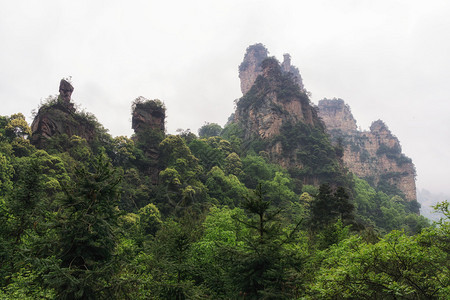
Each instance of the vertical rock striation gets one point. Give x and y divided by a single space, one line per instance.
374 155
337 116
274 99
276 116
250 68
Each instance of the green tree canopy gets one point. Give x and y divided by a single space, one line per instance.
209 130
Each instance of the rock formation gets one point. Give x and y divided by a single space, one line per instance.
65 91
374 155
250 68
288 68
59 117
148 123
148 115
274 98
337 116
276 115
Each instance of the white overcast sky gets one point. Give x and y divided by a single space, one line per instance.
387 59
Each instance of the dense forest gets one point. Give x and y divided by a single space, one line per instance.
207 216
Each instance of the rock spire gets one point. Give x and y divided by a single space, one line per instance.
250 68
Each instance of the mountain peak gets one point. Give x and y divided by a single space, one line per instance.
252 66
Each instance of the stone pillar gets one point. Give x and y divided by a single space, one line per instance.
65 91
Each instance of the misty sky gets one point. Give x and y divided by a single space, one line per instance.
387 59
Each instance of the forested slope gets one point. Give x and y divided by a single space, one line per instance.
221 215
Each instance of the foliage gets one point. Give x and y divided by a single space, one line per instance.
313 150
149 219
397 267
209 130
17 126
390 152
233 164
142 102
85 228
224 189
222 231
211 151
255 169
386 212
173 269
264 267
46 103
6 174
181 185
88 220
393 153
329 206
234 134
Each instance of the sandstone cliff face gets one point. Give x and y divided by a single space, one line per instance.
250 68
148 115
59 117
274 99
276 112
374 155
337 116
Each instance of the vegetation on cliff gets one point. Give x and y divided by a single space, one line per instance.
86 220
56 122
374 155
293 135
261 209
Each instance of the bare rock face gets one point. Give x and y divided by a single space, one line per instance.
374 155
337 116
65 91
148 115
59 117
250 68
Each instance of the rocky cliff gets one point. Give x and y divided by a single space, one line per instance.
287 68
276 116
374 155
250 68
337 116
59 117
273 99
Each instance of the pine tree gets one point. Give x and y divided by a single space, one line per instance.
264 270
327 207
85 230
